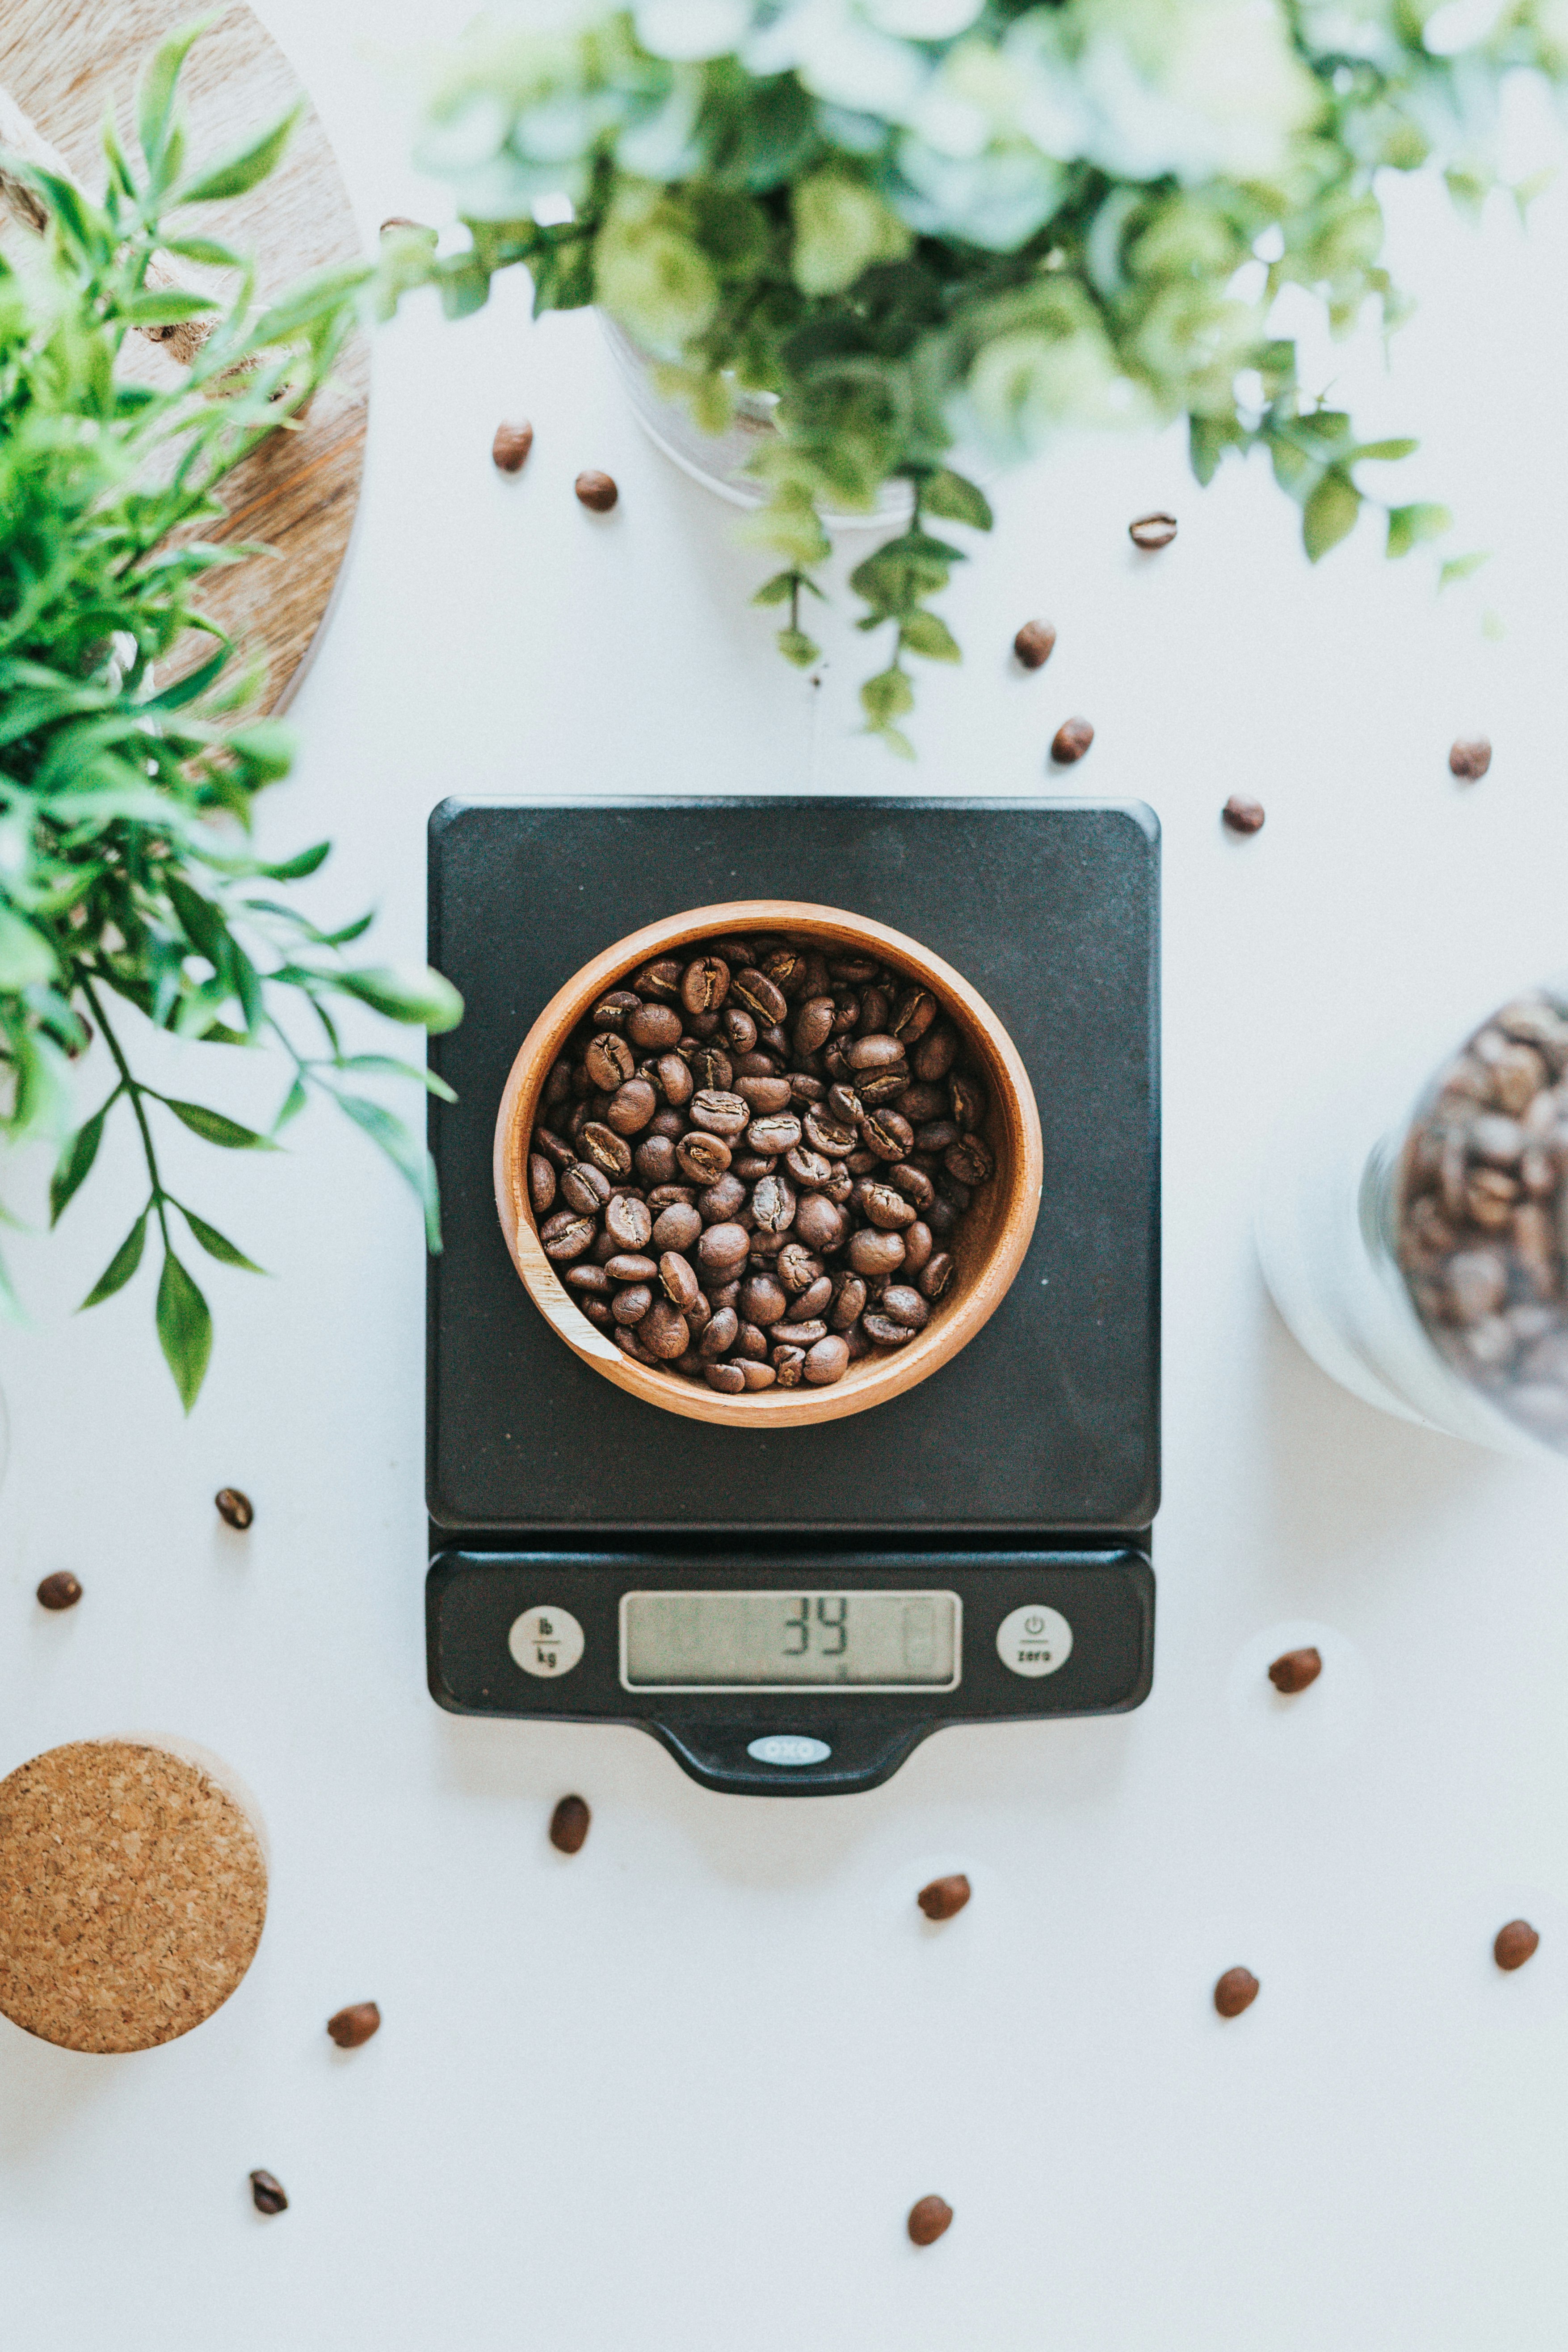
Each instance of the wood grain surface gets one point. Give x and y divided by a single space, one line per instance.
65 61
988 1244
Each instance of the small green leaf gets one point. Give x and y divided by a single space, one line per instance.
76 1160
798 648
185 689
1409 526
295 869
1460 567
384 1066
155 93
164 309
293 1104
406 1154
26 958
778 590
1390 450
924 635
955 499
1329 515
215 1243
887 696
897 741
244 169
214 1128
120 1267
422 997
204 248
185 1329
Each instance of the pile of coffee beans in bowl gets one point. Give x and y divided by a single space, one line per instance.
748 1161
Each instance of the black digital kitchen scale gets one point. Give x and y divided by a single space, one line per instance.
790 1611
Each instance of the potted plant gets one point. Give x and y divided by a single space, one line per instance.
925 225
126 880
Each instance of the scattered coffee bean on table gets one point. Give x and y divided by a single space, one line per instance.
929 2219
1243 816
355 2025
1236 1990
1296 1670
267 2193
1071 742
1153 530
751 1157
1515 1944
597 490
1469 762
511 447
1033 643
944 1898
233 1507
569 1824
59 1591
1482 1214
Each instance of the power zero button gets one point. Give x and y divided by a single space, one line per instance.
1034 1639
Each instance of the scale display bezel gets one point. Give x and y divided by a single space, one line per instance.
789 1686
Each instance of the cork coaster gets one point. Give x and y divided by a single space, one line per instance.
132 1893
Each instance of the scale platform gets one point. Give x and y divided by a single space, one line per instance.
791 1611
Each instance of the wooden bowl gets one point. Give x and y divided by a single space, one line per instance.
988 1245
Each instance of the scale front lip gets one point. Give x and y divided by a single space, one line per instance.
474 1598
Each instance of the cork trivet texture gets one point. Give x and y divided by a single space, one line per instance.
132 1893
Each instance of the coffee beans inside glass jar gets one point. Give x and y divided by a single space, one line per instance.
748 1165
1482 1214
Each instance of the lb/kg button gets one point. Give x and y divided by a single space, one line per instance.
1034 1639
546 1641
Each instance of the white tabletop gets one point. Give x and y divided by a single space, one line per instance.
682 2089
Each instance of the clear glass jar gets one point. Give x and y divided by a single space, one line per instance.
719 460
1420 1259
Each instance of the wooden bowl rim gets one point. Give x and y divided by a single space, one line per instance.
875 1379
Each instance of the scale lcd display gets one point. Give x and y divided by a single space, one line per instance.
791 1641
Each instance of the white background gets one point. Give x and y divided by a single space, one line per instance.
681 2090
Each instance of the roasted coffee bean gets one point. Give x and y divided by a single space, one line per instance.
814 1024
61 1590
1035 644
765 1098
749 1165
630 1304
876 1052
789 1366
606 1149
913 1014
919 1247
1153 530
756 1064
612 1011
678 1280
1243 816
850 1297
569 1824
914 1183
509 450
738 1029
820 1223
597 1310
718 1112
720 1337
654 1161
267 2193
944 1898
676 1227
887 1207
795 1266
826 1359
901 1304
773 1136
725 1246
597 490
722 1201
936 1053
597 1281
968 1101
937 1276
833 1137
631 1106
609 1060
938 1135
814 1300
886 1134
853 969
761 998
774 1204
629 1222
585 1188
655 1027
929 2217
559 1154
1470 759
969 1160
705 983
1296 1670
351 2028
673 1078
703 1157
659 980
1071 742
883 1331
569 1240
664 1330
1515 1944
809 1170
757 1376
628 1343
752 1341
1236 1990
540 1183
727 1379
875 1255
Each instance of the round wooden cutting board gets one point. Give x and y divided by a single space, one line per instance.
65 62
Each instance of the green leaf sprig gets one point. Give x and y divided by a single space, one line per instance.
125 805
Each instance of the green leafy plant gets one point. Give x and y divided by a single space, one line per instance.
125 877
930 225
